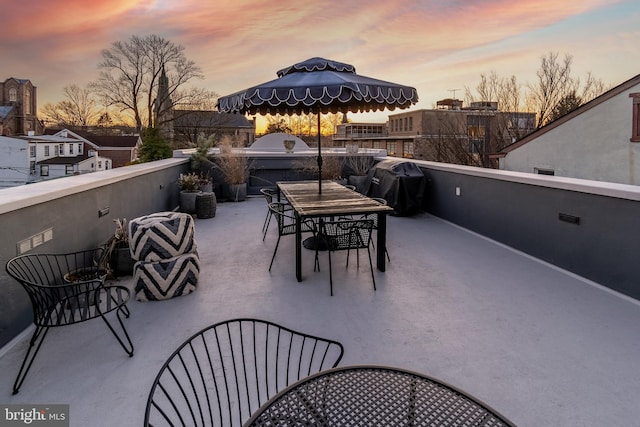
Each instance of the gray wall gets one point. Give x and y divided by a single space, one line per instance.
519 210
523 211
70 206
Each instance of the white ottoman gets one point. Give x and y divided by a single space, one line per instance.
160 280
164 247
161 236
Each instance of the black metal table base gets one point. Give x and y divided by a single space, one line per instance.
315 242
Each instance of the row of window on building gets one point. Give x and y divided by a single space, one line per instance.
59 150
402 124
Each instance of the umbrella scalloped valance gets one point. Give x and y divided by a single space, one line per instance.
319 85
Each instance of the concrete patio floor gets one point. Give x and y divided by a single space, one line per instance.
540 345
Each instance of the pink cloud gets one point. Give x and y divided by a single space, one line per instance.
242 42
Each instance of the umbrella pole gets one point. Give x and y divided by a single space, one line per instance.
319 156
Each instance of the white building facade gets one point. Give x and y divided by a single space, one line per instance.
598 141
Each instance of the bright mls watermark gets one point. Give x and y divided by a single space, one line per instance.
34 415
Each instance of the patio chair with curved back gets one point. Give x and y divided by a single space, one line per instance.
287 225
268 194
225 372
374 218
347 234
66 289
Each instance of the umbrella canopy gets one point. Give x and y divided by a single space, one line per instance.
319 85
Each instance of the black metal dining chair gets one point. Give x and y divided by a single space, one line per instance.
287 226
66 289
225 372
347 234
374 218
269 195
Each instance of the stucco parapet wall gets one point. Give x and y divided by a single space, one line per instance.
332 151
22 196
609 189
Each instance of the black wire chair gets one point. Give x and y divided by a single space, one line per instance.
374 218
347 234
66 289
287 225
225 372
268 194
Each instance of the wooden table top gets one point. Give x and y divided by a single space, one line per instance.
335 199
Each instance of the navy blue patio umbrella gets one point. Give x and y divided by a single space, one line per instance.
319 86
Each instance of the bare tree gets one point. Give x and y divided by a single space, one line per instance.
130 75
79 108
509 122
554 83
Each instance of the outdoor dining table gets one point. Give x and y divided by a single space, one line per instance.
335 200
367 395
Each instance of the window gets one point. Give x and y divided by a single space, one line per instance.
391 148
635 125
57 150
46 151
410 123
408 150
70 148
32 167
68 169
62 149
80 148
32 150
27 102
13 94
44 170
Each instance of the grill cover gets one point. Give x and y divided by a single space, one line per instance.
400 183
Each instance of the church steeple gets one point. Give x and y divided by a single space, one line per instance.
163 107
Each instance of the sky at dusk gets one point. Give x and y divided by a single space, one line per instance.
437 46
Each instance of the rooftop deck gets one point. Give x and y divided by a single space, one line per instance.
540 345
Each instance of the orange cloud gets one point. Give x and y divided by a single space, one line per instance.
238 43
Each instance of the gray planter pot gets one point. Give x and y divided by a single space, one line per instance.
122 261
188 201
238 192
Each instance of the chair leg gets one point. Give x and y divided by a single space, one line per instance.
330 273
36 340
123 309
274 252
385 251
316 261
265 226
371 267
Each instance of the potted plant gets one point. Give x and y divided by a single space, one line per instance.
116 257
201 162
233 164
331 167
189 184
206 183
358 163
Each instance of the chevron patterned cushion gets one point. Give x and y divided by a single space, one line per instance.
161 236
160 280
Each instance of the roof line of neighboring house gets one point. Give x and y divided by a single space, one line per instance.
561 120
76 136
